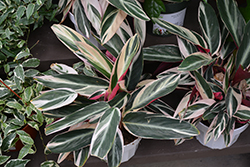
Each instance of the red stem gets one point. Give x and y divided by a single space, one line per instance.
11 90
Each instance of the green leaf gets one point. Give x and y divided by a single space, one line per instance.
22 54
161 127
33 62
77 117
54 99
30 10
7 141
120 100
116 152
27 94
111 22
233 100
243 54
195 61
243 113
81 19
152 91
81 156
131 7
154 7
49 163
162 53
19 72
232 18
105 133
69 141
15 105
84 85
203 87
63 69
2 5
17 163
25 137
3 159
182 32
24 151
31 72
210 27
20 12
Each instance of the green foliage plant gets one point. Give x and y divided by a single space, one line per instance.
218 63
96 101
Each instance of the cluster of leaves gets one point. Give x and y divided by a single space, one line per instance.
17 19
219 63
16 110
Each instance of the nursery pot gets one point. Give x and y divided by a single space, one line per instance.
19 145
175 13
219 143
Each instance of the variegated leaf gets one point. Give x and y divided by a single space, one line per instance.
243 54
152 127
81 156
140 29
159 106
182 32
213 110
62 68
233 100
120 100
128 52
62 156
182 106
152 91
195 61
78 116
203 87
196 109
69 141
54 99
232 18
131 7
243 113
111 22
94 13
210 27
75 42
186 48
17 162
84 85
81 19
105 133
221 124
116 152
162 53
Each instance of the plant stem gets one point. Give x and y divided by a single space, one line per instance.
41 137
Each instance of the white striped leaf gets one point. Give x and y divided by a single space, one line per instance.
182 32
159 106
120 100
116 152
203 87
182 104
63 68
195 61
69 141
243 113
122 63
162 53
105 133
78 116
17 162
75 42
81 19
243 54
94 13
210 27
140 29
84 85
62 156
81 156
186 48
151 127
111 22
221 124
232 18
196 109
233 100
54 99
213 110
152 91
131 7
